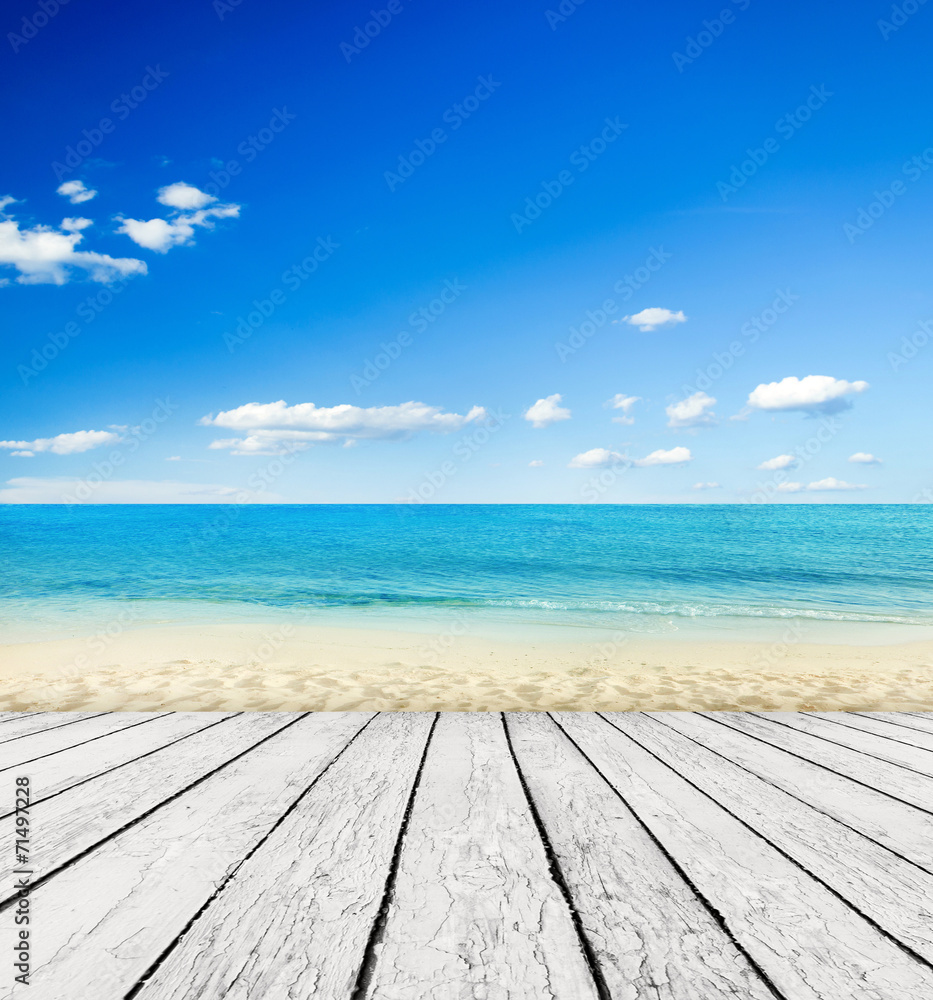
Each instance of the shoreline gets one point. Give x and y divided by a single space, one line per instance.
285 667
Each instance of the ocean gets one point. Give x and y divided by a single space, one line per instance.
841 573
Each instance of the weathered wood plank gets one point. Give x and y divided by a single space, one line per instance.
651 934
903 720
898 826
908 786
80 817
21 725
475 910
892 892
296 919
108 915
889 730
21 752
810 944
859 740
80 764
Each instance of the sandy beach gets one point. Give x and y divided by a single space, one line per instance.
289 668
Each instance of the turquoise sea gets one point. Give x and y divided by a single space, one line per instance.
849 573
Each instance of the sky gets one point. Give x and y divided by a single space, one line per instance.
534 252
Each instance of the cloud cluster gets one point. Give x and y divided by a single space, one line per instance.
75 192
273 428
780 462
864 458
598 458
624 403
189 205
546 411
812 394
828 485
653 318
706 486
62 444
694 411
47 255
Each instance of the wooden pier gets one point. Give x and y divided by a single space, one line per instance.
401 856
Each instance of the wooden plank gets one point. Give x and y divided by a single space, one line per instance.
26 725
861 722
858 740
108 915
21 752
908 786
475 911
76 765
80 817
651 933
14 716
811 945
900 827
889 890
296 919
901 720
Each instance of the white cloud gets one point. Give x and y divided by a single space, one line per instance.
75 192
173 458
624 403
706 486
780 462
673 456
161 234
536 463
864 458
271 428
63 444
183 196
814 394
832 484
595 458
789 487
46 255
28 489
546 411
694 411
654 317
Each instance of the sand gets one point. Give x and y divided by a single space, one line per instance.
292 668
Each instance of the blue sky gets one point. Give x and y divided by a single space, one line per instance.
320 271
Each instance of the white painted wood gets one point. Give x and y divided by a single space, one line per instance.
295 921
903 720
811 944
20 753
900 827
25 725
53 774
879 727
888 889
915 789
859 740
106 917
78 818
652 935
475 910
